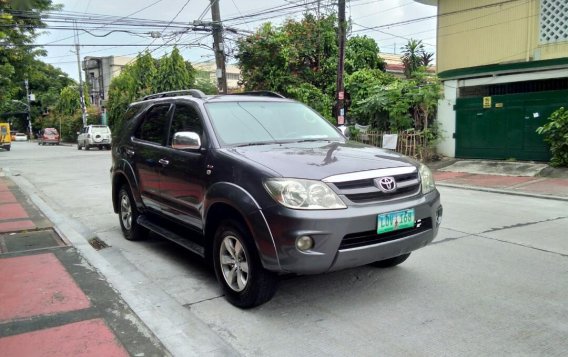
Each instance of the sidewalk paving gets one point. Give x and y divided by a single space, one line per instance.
536 180
52 302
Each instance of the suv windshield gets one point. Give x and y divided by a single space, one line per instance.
249 123
100 129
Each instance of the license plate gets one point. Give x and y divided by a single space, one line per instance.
392 221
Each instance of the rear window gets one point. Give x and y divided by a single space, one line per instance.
50 131
101 129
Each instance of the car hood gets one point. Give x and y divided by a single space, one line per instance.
318 160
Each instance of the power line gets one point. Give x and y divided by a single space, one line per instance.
406 22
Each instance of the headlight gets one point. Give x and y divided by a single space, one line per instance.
427 179
303 194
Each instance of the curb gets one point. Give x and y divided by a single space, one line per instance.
152 306
502 191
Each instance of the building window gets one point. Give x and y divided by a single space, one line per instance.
553 21
233 76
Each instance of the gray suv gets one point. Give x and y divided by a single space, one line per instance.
261 186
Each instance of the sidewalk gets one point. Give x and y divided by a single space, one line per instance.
519 178
52 302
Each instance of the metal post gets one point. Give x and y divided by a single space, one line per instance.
28 108
218 47
340 109
81 95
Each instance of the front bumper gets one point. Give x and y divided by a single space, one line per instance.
346 238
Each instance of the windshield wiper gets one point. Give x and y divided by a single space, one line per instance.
256 144
311 140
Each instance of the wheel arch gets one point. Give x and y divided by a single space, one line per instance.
121 177
229 201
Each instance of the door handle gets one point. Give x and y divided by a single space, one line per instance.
164 162
129 152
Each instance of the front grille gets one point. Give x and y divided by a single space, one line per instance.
365 191
361 239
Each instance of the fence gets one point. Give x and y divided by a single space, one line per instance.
409 143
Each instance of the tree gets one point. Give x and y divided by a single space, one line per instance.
20 21
298 59
362 53
360 85
415 56
172 73
146 76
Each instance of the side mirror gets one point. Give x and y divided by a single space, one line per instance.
186 140
344 130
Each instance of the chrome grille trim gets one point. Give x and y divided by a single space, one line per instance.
354 176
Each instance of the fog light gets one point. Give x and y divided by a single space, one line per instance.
304 243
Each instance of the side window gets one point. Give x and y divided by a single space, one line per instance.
185 118
154 125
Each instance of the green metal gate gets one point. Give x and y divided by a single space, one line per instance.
504 126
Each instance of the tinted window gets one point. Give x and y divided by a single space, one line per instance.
154 125
185 119
268 122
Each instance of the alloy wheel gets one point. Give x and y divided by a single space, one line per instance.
126 212
234 263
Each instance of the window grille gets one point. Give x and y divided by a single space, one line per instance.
553 21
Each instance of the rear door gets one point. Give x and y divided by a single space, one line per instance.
146 150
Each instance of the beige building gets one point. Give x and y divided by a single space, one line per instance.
208 70
504 66
99 71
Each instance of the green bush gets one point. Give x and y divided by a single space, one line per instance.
555 133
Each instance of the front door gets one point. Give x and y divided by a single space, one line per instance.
183 178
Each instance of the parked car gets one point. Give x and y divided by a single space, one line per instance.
5 137
48 136
261 186
21 137
94 136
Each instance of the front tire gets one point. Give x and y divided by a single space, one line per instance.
391 262
237 265
128 216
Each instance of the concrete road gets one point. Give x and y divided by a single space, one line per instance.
494 282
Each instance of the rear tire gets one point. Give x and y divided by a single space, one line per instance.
237 265
128 216
391 262
78 146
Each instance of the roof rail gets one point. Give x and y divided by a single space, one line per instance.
261 93
192 92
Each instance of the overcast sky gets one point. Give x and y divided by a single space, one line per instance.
369 13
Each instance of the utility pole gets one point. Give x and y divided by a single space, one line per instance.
340 97
81 94
218 47
29 113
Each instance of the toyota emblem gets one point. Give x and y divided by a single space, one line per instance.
386 184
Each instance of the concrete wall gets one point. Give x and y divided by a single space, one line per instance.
506 33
